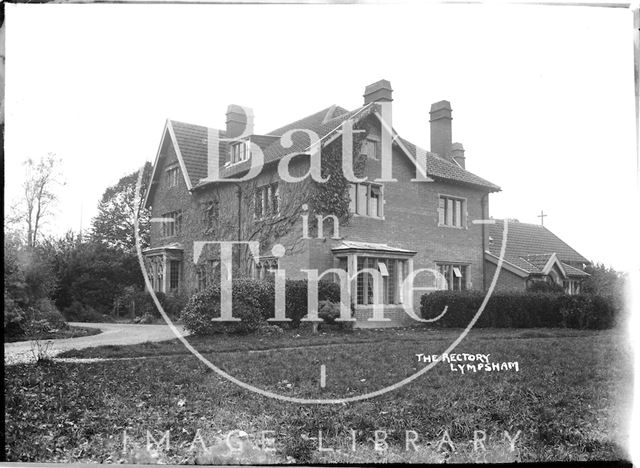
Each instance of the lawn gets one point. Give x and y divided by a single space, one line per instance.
567 400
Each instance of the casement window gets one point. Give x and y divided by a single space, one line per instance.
371 148
155 269
267 201
172 175
210 214
207 274
262 269
201 278
174 274
238 152
173 224
455 275
452 212
392 271
571 287
366 199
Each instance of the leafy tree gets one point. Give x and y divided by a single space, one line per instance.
604 281
91 273
114 223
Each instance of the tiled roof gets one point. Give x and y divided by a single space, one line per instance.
192 141
529 246
572 271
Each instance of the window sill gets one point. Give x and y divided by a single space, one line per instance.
462 228
356 215
371 306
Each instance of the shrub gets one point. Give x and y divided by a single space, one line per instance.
14 318
296 298
254 302
45 310
330 312
204 306
545 287
135 302
520 310
78 312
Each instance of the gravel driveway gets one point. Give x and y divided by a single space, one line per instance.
112 334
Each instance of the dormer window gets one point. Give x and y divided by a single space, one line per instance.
239 152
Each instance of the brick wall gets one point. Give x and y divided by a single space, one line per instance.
507 281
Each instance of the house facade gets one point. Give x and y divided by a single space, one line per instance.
404 227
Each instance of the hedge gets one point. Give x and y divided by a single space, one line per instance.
520 310
254 302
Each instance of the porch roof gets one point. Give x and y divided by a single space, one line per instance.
163 248
370 248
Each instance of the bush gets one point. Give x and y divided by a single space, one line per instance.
545 287
330 312
14 318
296 298
520 310
78 312
254 302
135 302
204 306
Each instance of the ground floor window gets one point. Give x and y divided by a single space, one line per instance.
455 275
571 286
262 268
155 272
391 270
174 274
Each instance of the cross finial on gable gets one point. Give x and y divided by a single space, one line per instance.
542 216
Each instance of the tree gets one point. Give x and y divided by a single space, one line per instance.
117 210
91 273
604 281
38 195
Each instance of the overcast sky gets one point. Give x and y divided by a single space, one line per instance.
542 97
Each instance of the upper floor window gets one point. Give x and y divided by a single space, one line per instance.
451 212
370 148
455 275
172 175
267 201
366 199
173 224
239 152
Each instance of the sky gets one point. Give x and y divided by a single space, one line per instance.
542 96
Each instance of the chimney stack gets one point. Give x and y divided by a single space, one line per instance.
441 128
457 153
239 121
378 91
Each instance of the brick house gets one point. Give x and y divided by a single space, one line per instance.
392 227
533 253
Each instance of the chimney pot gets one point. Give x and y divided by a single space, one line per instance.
441 128
239 121
378 91
457 153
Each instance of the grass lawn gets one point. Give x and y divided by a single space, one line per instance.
70 332
568 399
